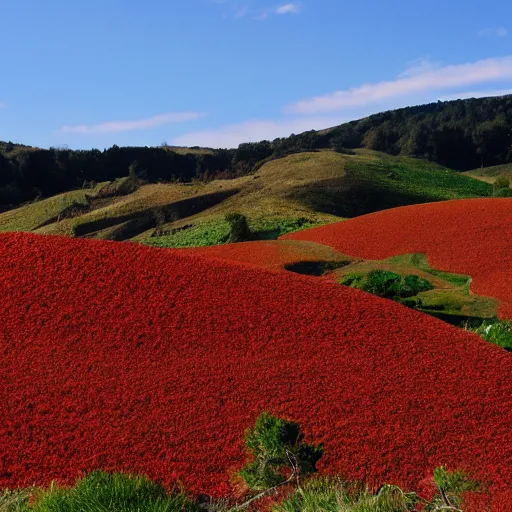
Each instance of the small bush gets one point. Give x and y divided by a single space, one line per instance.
388 284
112 492
238 228
451 485
383 283
412 303
279 453
498 332
414 285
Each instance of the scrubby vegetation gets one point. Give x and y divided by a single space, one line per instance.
279 454
388 284
496 331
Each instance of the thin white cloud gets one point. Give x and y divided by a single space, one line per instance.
475 94
243 9
3 105
444 78
128 126
254 131
493 32
291 8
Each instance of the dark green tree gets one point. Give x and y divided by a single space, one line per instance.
278 452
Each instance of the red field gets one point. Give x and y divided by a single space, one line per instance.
471 237
274 254
123 357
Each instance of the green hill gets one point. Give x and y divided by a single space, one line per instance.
295 192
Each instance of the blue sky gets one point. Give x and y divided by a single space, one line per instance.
220 72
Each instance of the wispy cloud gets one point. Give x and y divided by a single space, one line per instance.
493 32
128 126
3 105
254 131
475 94
243 9
443 78
291 8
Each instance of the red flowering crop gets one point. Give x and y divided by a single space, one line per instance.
121 357
272 254
472 237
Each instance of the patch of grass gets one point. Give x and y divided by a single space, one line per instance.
333 495
490 174
32 216
498 332
421 261
388 284
374 181
206 234
217 232
315 268
448 297
14 501
111 492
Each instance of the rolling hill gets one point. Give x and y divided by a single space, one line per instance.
284 195
462 135
123 357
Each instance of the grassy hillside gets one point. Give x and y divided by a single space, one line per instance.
284 195
375 181
47 211
490 174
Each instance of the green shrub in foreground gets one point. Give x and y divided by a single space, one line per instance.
279 457
498 332
279 453
112 493
14 501
333 495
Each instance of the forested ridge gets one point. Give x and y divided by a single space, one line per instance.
462 134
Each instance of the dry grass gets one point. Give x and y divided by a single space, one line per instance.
30 217
490 174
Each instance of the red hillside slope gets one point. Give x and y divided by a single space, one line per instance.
471 237
271 254
124 357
